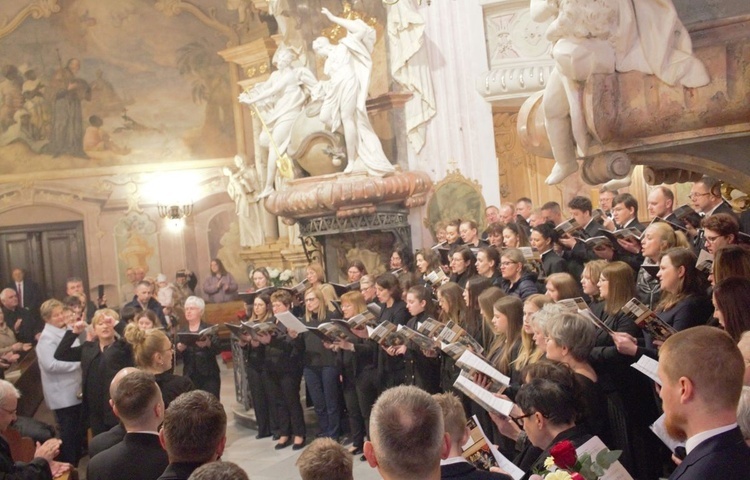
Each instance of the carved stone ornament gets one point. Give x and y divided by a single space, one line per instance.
346 195
36 9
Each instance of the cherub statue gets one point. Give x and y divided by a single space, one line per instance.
242 188
279 100
348 66
604 37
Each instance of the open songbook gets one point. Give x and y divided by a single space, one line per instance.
483 397
298 289
646 319
568 226
251 328
454 340
386 335
649 367
471 363
436 277
189 338
631 233
578 305
291 322
415 339
342 289
687 215
481 453
332 331
430 327
249 297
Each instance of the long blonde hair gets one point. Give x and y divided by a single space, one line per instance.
322 309
529 353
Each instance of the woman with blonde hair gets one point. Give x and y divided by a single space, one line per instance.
589 279
561 286
316 277
319 367
656 239
101 357
517 279
154 353
529 352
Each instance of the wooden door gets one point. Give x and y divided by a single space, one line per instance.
49 253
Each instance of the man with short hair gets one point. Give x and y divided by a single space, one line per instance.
455 466
42 467
625 212
193 433
138 403
407 438
605 200
507 214
551 212
491 214
144 300
524 207
29 294
705 196
20 320
74 287
219 471
114 435
661 203
325 459
701 372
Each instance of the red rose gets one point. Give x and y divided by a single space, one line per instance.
576 476
564 455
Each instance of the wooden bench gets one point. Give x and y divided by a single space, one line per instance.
22 449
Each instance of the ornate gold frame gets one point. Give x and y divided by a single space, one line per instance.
455 188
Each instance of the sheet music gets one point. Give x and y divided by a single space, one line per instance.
483 397
660 430
615 472
648 366
502 461
470 361
291 322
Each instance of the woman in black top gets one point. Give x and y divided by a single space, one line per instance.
543 238
488 265
154 354
462 266
100 360
257 376
388 291
199 360
320 370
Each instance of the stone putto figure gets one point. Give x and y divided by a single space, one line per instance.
603 37
279 100
348 66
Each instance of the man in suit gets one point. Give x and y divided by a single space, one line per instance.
193 433
29 294
407 439
701 372
455 467
144 300
138 403
706 199
605 200
42 467
26 328
660 203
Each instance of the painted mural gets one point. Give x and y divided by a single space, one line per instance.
104 83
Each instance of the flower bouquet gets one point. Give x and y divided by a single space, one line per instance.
281 278
565 464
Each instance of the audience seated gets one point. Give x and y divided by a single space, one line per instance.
407 438
138 403
193 433
325 459
701 372
455 466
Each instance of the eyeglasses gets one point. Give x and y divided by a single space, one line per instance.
519 420
695 195
9 412
310 299
713 239
505 264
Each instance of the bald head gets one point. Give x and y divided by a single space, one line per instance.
119 376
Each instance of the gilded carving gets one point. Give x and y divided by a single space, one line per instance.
36 9
337 32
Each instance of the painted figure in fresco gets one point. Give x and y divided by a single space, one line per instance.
279 100
242 188
66 137
348 66
601 38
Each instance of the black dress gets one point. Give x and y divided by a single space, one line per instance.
421 371
392 370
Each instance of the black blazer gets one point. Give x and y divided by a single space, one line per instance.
37 469
139 455
106 440
725 456
467 471
553 263
179 470
172 386
116 357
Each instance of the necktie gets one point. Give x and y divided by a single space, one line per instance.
20 293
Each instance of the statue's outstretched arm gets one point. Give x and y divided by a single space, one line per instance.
271 87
